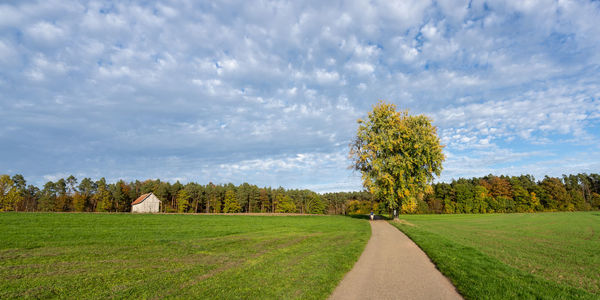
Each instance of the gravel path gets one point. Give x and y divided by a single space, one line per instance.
393 267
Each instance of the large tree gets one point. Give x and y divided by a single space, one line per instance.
397 154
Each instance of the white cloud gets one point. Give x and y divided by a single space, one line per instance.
325 77
46 32
7 53
404 13
363 68
9 16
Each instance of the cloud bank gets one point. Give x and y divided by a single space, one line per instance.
269 92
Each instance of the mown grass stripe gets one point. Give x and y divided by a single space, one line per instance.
480 276
95 256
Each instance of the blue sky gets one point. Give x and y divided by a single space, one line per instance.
268 92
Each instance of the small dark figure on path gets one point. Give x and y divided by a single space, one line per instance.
372 216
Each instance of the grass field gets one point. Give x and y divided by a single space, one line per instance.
189 256
507 256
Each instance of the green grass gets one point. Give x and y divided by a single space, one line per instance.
176 256
507 256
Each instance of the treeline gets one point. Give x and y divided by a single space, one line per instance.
499 194
489 194
503 194
72 195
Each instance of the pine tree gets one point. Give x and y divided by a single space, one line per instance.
285 204
9 195
102 196
230 205
183 201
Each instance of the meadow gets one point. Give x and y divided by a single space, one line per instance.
508 256
86 256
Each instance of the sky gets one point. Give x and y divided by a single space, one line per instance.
269 92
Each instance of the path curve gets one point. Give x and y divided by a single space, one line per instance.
393 267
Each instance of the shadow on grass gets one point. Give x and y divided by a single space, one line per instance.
362 217
367 217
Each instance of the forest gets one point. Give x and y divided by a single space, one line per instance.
488 194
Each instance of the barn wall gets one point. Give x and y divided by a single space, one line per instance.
150 205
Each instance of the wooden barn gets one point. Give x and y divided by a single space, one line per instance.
146 203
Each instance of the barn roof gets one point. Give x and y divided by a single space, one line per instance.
141 198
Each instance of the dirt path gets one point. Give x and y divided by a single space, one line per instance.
393 267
